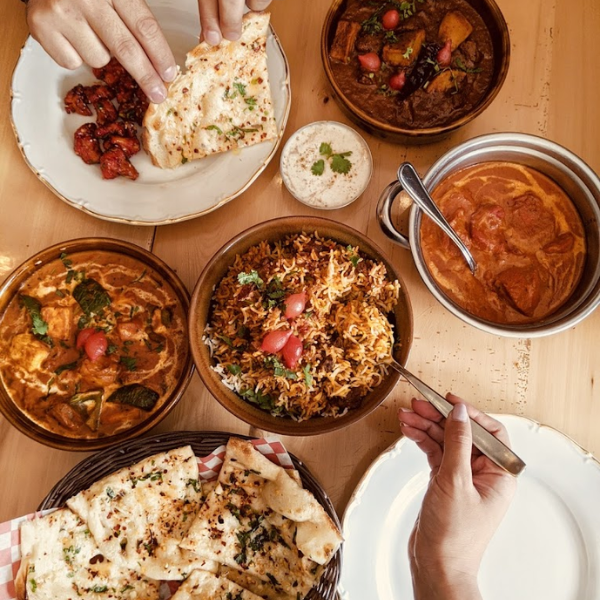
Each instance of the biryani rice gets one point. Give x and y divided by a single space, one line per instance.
347 337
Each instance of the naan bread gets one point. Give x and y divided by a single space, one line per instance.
139 514
223 100
62 561
253 520
202 585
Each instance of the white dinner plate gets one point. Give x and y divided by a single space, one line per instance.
547 547
45 131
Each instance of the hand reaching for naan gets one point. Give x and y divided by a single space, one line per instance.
465 502
74 32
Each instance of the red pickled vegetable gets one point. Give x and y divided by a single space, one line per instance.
444 56
294 305
398 80
96 345
292 352
370 62
274 341
390 19
83 336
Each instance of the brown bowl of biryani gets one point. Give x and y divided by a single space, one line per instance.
414 71
293 324
93 344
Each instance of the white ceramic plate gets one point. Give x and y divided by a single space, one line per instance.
548 546
44 133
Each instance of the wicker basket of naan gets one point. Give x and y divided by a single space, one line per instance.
154 527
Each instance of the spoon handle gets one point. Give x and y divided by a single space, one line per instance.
483 440
411 182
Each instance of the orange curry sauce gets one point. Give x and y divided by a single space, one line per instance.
56 384
525 234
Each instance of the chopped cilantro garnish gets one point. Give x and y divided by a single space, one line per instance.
251 102
240 87
66 261
215 128
194 483
234 369
338 160
340 164
279 369
353 258
325 149
128 362
67 367
252 277
459 64
318 167
308 378
227 340
34 308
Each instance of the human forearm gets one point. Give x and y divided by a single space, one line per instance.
440 586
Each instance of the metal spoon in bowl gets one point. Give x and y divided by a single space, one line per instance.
483 440
411 182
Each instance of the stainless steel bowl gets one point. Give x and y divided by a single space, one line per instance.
573 175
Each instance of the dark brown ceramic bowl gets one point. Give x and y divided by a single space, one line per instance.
493 19
28 269
215 270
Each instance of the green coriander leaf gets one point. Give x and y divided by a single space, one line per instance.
234 369
340 164
128 362
34 308
240 87
227 340
215 128
251 102
67 367
408 52
318 168
308 378
325 149
66 261
252 277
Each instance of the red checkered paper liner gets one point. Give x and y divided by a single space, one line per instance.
208 470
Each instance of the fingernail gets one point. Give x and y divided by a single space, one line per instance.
212 37
405 410
170 73
459 413
232 36
158 94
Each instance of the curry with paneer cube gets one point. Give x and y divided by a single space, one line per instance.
413 64
92 344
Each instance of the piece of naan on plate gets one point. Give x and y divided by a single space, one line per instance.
61 560
202 585
139 514
260 521
222 102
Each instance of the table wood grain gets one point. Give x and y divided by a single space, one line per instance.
552 90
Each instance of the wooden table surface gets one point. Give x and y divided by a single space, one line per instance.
552 90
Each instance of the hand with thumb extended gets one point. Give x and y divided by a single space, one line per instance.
465 502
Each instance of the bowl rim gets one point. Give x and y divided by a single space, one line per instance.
484 143
200 353
26 270
432 132
359 139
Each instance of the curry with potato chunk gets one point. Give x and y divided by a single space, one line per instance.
524 232
414 65
92 344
